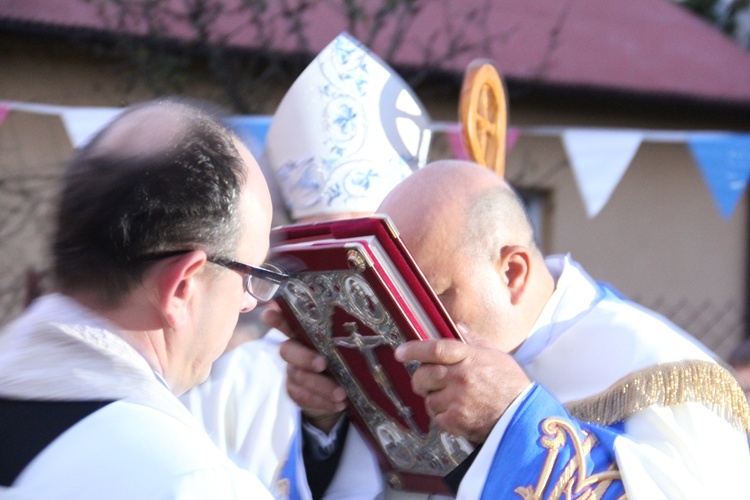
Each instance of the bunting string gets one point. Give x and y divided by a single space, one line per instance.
598 157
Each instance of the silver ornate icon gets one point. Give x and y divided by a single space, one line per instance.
314 298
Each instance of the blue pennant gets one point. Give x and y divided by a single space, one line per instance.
724 161
252 129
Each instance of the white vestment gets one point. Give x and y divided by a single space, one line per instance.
585 340
145 444
244 406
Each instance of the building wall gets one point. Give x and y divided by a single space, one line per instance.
34 148
659 240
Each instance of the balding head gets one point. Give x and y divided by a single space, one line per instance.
470 234
163 176
460 201
147 129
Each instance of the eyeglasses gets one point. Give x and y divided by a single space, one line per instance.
260 282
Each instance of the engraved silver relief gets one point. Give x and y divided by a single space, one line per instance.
362 297
300 299
313 297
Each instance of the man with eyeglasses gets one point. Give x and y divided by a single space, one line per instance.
347 131
163 220
262 283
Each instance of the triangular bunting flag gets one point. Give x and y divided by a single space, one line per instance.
599 159
724 162
3 113
252 130
83 123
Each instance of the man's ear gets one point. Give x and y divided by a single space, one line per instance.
513 267
176 286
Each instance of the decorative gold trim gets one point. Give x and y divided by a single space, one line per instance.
283 488
668 384
356 260
390 226
573 479
394 481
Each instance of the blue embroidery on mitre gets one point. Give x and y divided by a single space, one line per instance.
346 133
317 183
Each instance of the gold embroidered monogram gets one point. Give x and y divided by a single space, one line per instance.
668 384
574 479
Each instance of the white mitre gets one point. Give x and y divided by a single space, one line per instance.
347 131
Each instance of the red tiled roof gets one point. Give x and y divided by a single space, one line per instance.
637 46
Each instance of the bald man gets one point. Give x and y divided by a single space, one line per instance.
161 219
564 386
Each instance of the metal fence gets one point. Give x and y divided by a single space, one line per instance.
719 326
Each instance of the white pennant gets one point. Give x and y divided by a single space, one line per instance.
83 123
599 159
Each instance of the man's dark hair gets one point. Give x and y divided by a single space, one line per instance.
120 204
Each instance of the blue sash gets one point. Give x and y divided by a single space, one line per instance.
545 452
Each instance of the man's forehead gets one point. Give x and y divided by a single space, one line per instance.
431 246
256 206
254 177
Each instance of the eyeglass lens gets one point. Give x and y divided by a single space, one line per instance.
260 288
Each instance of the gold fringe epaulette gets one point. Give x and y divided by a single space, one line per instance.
668 384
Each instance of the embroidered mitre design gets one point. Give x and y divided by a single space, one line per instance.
347 131
574 481
668 384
